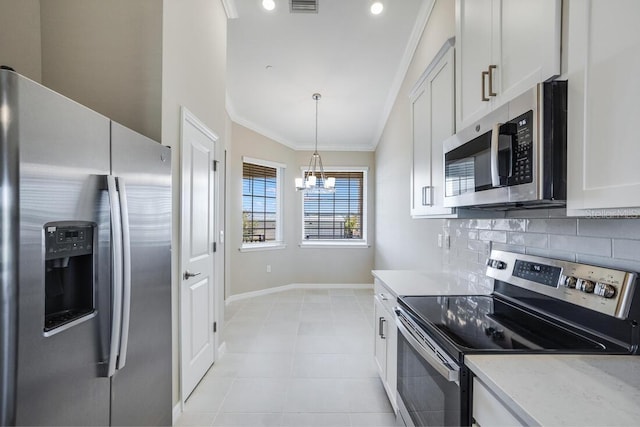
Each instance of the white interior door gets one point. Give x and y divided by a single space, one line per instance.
197 252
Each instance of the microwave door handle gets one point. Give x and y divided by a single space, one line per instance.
495 139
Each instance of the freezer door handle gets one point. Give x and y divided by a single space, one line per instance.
116 278
126 272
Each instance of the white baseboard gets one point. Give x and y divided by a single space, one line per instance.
177 411
291 286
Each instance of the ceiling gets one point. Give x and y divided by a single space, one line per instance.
276 61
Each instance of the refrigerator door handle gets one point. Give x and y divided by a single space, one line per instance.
126 270
116 278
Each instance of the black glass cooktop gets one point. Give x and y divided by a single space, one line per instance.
485 323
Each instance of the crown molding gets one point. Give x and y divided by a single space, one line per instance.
230 9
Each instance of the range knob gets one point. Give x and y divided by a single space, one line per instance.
605 290
497 264
569 282
585 286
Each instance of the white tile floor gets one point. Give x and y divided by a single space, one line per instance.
295 358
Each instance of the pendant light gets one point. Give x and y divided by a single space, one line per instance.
308 183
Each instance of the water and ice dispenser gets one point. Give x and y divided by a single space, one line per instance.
70 282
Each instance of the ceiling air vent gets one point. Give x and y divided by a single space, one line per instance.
304 6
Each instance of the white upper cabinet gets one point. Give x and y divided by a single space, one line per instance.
603 177
474 47
503 48
432 118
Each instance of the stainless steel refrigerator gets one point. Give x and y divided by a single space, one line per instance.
86 270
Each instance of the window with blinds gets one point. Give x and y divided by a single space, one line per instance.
260 203
339 215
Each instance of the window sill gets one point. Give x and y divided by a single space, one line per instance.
333 244
262 247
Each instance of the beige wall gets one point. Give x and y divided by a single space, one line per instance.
402 242
292 264
193 75
106 55
20 37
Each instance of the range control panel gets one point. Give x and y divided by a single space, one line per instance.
540 273
65 239
602 289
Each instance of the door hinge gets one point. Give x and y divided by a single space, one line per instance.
215 165
215 327
215 246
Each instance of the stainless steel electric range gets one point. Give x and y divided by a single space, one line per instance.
539 305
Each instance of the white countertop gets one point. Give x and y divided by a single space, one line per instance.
414 282
564 390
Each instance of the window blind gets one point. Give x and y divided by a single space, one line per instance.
259 203
338 215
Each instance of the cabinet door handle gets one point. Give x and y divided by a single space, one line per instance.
491 68
381 321
383 297
426 196
484 95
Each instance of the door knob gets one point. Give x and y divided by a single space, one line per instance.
188 275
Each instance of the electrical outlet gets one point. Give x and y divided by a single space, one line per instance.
268 268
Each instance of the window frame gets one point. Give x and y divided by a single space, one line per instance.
339 243
278 243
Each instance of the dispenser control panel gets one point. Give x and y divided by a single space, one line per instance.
68 239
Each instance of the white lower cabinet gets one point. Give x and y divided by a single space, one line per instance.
489 410
386 340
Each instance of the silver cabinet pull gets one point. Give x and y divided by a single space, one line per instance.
187 274
383 297
484 75
426 196
381 321
491 68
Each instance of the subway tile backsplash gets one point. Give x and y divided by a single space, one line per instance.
612 243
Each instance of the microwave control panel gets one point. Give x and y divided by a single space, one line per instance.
522 155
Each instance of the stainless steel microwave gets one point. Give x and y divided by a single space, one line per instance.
515 157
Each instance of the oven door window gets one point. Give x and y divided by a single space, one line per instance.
429 398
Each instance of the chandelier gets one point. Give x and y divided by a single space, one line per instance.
308 183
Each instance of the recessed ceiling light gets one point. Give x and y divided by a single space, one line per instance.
376 7
268 4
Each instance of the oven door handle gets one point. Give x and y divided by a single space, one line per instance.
444 369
